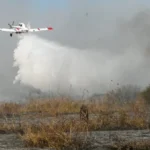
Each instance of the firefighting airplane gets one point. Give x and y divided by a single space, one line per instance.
22 28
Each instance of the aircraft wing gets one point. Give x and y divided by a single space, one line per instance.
40 29
7 30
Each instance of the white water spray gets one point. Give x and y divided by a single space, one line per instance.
48 66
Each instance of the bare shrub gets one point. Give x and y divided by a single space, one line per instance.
146 94
124 94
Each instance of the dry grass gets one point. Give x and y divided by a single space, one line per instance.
52 107
56 106
56 135
6 128
9 109
64 131
102 115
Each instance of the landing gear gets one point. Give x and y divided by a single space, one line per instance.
11 34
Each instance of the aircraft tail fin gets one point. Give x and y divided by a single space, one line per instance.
10 25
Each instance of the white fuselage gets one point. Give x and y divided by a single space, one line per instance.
21 28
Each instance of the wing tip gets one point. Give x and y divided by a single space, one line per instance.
50 28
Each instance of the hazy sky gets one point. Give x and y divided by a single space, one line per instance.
85 24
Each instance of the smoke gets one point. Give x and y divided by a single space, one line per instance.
97 47
52 67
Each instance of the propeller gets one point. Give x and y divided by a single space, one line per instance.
10 25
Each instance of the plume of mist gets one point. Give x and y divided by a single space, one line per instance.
108 51
115 48
51 67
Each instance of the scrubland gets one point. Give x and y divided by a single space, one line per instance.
55 122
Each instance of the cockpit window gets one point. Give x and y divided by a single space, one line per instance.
20 25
